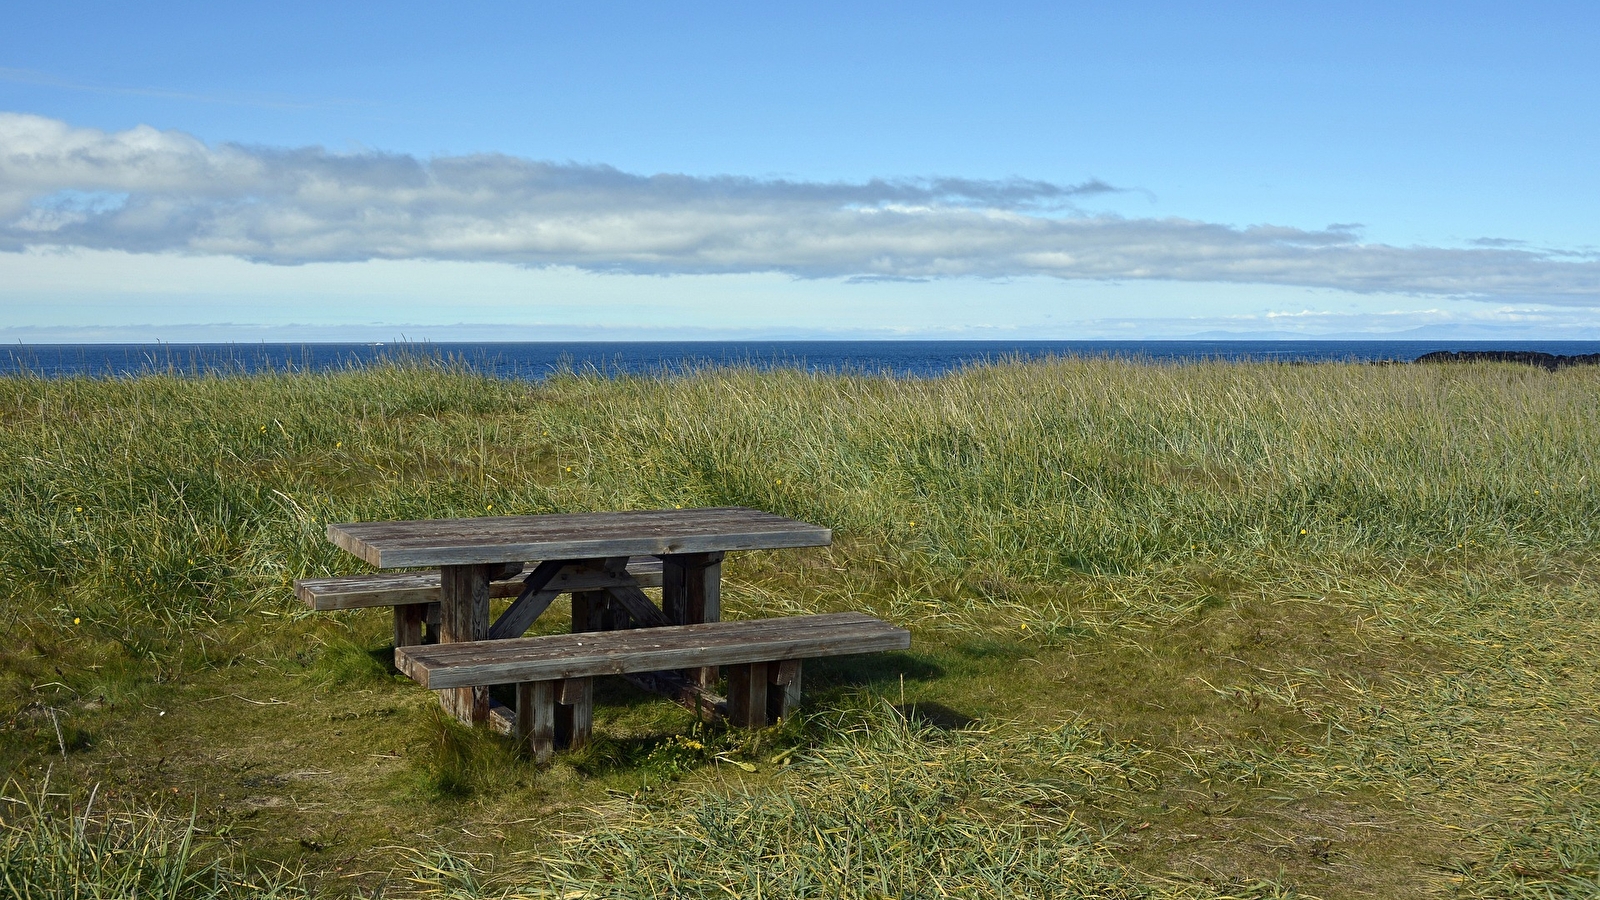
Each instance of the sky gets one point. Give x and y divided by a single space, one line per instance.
303 171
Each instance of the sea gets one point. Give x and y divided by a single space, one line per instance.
535 361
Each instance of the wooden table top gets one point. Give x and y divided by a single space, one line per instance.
500 539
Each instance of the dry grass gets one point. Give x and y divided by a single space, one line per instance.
1198 630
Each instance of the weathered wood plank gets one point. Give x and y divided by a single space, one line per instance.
711 634
571 536
647 649
464 617
645 572
400 588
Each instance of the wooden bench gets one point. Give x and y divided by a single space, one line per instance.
554 673
415 595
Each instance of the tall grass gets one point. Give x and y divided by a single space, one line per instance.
48 852
173 500
888 808
1385 570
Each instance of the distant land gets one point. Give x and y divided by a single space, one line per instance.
234 333
1450 332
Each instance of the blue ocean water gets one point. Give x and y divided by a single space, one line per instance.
537 360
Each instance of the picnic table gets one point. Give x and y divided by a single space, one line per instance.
589 555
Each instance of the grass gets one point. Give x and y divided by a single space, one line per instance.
1201 630
50 851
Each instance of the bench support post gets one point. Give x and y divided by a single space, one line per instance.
762 694
464 616
575 712
747 695
536 719
553 714
783 693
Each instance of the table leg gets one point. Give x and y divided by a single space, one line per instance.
408 621
464 616
691 593
587 609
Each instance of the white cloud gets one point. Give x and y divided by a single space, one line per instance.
148 191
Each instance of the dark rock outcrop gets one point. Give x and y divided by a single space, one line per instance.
1547 361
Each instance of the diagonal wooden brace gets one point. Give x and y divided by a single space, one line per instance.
639 608
534 600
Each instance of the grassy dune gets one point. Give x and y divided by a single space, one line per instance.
1215 630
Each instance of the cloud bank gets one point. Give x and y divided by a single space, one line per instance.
150 191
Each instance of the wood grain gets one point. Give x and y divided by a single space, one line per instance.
638 606
747 695
408 622
453 665
587 607
464 618
536 719
502 718
575 712
691 592
488 539
783 694
402 588
704 703
535 597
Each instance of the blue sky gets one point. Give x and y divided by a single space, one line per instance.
629 170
